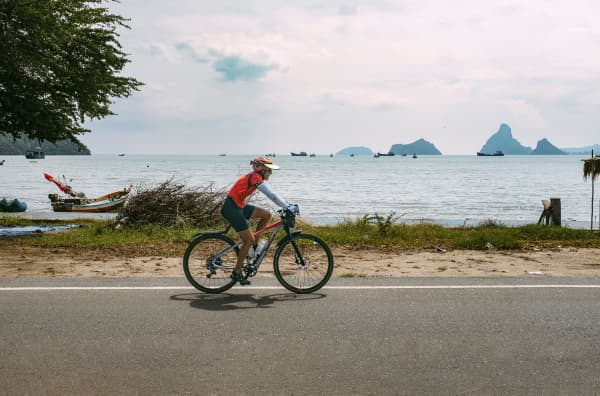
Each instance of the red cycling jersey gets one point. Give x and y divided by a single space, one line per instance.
244 187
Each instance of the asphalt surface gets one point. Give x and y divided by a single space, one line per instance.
414 336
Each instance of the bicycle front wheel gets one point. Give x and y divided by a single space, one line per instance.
208 262
305 269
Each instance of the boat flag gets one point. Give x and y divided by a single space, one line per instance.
62 187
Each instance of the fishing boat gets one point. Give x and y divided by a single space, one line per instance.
388 154
105 203
36 153
78 202
300 154
498 153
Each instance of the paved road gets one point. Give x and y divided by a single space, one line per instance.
490 336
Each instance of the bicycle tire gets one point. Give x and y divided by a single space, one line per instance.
303 279
201 271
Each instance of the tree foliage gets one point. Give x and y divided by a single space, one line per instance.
60 63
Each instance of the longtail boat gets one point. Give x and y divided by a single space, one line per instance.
78 202
105 203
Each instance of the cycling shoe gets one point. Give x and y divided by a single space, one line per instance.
240 278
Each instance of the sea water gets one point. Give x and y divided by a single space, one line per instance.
448 190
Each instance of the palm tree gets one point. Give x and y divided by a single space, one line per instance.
591 169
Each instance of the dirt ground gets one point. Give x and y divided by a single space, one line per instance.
25 261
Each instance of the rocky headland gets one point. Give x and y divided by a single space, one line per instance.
360 150
10 146
419 147
504 141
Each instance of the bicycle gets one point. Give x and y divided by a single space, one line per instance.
303 263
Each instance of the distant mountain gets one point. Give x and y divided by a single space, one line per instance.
355 151
419 147
582 150
544 147
8 146
504 141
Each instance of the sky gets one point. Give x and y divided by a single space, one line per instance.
244 77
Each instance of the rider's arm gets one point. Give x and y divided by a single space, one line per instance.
272 195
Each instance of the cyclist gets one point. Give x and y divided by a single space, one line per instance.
237 212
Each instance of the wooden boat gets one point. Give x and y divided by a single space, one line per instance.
498 153
300 154
106 203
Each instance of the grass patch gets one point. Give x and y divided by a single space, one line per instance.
429 236
171 241
101 234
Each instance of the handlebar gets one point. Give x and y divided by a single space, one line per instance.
295 212
288 216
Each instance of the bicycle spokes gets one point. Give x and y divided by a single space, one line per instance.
303 265
209 261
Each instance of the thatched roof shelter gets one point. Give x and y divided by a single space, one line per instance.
591 168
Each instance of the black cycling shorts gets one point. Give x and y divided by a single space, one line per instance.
236 216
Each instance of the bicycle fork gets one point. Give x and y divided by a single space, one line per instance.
299 259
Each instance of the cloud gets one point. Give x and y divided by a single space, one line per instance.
188 50
234 68
360 72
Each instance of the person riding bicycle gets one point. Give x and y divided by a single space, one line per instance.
237 212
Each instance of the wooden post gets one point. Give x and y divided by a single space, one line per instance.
555 205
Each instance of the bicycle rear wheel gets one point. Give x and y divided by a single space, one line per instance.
317 268
208 262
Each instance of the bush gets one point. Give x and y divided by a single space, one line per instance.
173 204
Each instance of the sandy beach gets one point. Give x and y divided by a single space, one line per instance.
18 261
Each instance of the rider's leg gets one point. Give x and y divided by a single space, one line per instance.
248 241
263 215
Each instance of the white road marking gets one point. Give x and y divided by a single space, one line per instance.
375 287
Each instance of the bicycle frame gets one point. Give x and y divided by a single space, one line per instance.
276 227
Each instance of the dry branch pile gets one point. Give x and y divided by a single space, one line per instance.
173 203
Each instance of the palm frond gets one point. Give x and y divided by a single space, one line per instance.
591 168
